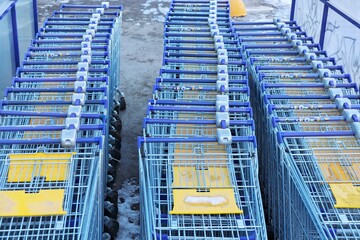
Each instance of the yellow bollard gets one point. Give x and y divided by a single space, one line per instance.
237 8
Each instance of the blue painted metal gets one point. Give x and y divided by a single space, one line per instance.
36 17
15 36
186 115
292 10
65 110
341 13
304 129
323 25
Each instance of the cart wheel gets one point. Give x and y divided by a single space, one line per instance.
110 180
117 124
106 236
113 161
115 133
111 226
111 195
111 170
122 104
110 210
115 142
115 153
115 114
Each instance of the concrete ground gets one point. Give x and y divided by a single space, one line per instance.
141 59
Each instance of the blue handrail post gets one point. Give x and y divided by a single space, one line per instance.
292 10
323 25
36 26
15 36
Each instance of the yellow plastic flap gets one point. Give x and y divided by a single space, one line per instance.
196 115
24 167
189 153
21 204
339 172
237 8
206 177
216 201
346 195
190 129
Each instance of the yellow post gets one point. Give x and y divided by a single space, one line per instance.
237 8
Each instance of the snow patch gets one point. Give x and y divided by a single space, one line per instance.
163 10
159 18
281 2
150 11
129 212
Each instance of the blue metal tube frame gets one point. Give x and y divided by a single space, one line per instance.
198 103
97 140
12 9
142 140
15 36
282 135
327 5
36 26
49 114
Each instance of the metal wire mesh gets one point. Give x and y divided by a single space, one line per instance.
181 157
308 145
54 127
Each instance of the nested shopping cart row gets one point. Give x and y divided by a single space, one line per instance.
198 159
308 109
54 127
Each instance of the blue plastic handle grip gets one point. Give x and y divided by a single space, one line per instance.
176 121
198 109
170 60
48 128
234 54
97 140
308 119
65 48
235 139
69 41
83 13
77 19
273 39
118 7
236 73
22 90
61 70
185 88
262 23
79 35
197 103
75 23
97 62
60 79
196 80
49 114
54 102
282 135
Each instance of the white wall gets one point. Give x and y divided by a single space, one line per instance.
342 39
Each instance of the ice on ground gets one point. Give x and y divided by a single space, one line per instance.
163 10
281 2
62 1
129 212
150 11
